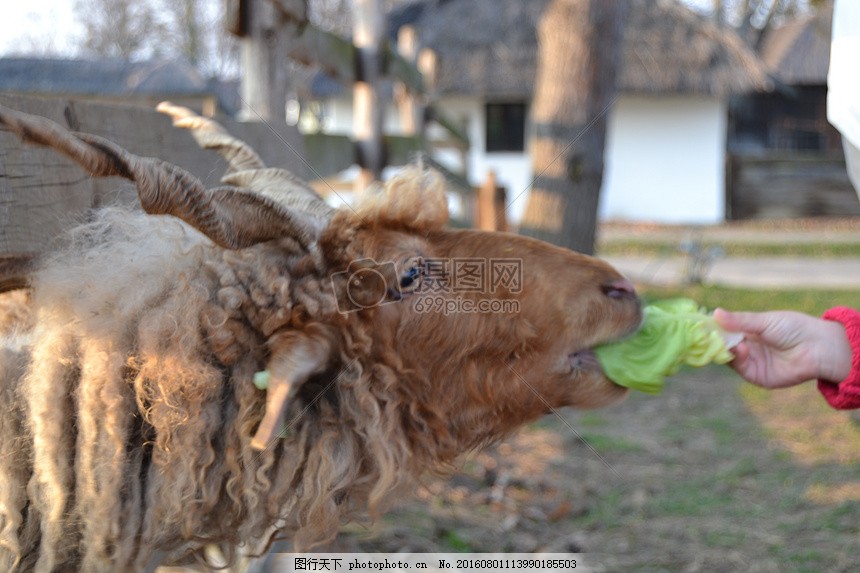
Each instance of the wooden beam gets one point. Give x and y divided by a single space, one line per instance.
449 125
402 150
328 154
335 55
294 10
312 46
403 69
460 184
331 154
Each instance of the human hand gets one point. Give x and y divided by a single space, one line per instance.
785 348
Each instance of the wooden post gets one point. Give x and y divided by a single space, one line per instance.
426 64
265 75
501 203
427 67
486 212
492 198
409 106
368 35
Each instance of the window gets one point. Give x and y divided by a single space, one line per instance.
506 126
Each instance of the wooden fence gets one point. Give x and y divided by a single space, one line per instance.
789 184
364 62
42 193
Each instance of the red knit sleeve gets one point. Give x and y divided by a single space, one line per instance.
845 395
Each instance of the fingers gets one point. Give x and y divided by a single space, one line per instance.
747 322
741 354
748 363
733 322
744 362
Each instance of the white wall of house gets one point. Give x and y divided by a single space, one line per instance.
665 160
512 169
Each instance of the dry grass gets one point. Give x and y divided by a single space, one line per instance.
800 422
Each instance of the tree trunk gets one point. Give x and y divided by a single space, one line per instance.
574 91
189 24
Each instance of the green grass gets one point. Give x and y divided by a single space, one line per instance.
606 443
754 394
455 543
812 302
721 429
633 247
841 518
592 419
728 539
693 498
606 512
801 560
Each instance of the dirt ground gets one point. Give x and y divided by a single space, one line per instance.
712 475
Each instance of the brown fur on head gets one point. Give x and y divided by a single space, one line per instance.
474 375
136 428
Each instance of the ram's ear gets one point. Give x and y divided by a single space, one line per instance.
295 357
414 199
233 218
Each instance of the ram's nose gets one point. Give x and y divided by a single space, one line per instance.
619 289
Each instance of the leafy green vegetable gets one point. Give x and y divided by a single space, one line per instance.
261 380
673 333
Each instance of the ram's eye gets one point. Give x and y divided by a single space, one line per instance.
411 280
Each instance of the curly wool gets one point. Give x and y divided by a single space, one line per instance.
16 316
129 431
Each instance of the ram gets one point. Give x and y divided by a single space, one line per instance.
133 433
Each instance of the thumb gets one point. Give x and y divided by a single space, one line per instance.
748 322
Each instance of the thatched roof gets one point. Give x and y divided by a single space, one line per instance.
798 53
489 48
483 47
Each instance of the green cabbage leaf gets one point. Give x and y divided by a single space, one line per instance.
673 333
261 380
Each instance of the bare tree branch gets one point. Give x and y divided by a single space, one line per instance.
120 28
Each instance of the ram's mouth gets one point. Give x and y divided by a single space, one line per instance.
585 363
593 389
